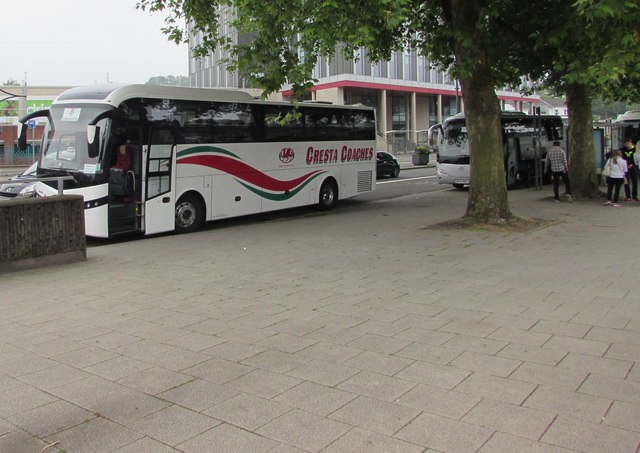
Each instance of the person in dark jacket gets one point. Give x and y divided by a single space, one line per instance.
631 180
557 163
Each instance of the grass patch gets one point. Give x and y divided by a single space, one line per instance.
514 225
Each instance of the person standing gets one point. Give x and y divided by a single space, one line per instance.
617 169
631 184
557 162
636 160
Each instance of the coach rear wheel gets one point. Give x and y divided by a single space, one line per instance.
189 214
328 195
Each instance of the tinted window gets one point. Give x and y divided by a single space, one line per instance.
519 126
364 124
282 123
203 122
456 133
553 128
231 122
327 124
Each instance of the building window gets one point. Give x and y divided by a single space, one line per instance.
436 75
449 106
398 113
317 70
364 97
409 65
380 69
423 70
433 110
395 66
362 64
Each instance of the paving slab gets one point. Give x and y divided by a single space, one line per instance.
360 329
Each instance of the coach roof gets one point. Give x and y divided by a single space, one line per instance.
115 94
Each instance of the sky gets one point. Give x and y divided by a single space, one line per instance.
83 42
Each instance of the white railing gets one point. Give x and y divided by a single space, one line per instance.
406 141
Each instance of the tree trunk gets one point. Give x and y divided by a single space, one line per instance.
582 160
487 185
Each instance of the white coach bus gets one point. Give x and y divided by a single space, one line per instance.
626 127
197 154
521 135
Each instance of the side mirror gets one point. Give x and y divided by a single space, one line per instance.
22 139
93 135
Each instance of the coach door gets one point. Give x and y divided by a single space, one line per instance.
511 154
160 176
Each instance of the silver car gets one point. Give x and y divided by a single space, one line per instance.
18 187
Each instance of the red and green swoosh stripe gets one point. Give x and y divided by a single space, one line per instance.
254 180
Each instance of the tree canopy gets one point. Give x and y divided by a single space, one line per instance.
8 104
582 50
169 80
486 44
606 110
11 83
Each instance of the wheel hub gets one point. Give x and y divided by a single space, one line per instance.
185 215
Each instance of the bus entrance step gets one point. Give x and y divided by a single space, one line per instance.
122 225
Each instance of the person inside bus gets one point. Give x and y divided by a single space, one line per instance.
123 158
631 178
557 162
636 161
120 180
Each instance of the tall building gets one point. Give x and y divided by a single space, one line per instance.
408 94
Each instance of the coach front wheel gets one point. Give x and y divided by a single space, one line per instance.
189 214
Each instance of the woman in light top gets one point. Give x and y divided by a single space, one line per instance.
618 169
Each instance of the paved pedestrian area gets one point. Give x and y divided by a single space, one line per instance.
357 330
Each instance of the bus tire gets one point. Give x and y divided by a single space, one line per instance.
189 213
458 186
328 195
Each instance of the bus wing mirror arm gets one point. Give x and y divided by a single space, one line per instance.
22 138
93 131
93 134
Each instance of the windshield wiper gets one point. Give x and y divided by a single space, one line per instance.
48 171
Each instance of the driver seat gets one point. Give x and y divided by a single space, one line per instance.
121 182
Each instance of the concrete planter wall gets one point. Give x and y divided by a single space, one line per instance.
420 158
36 232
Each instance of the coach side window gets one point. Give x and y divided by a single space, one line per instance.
326 124
281 124
215 122
233 122
364 125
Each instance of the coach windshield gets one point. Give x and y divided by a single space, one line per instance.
65 144
455 146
